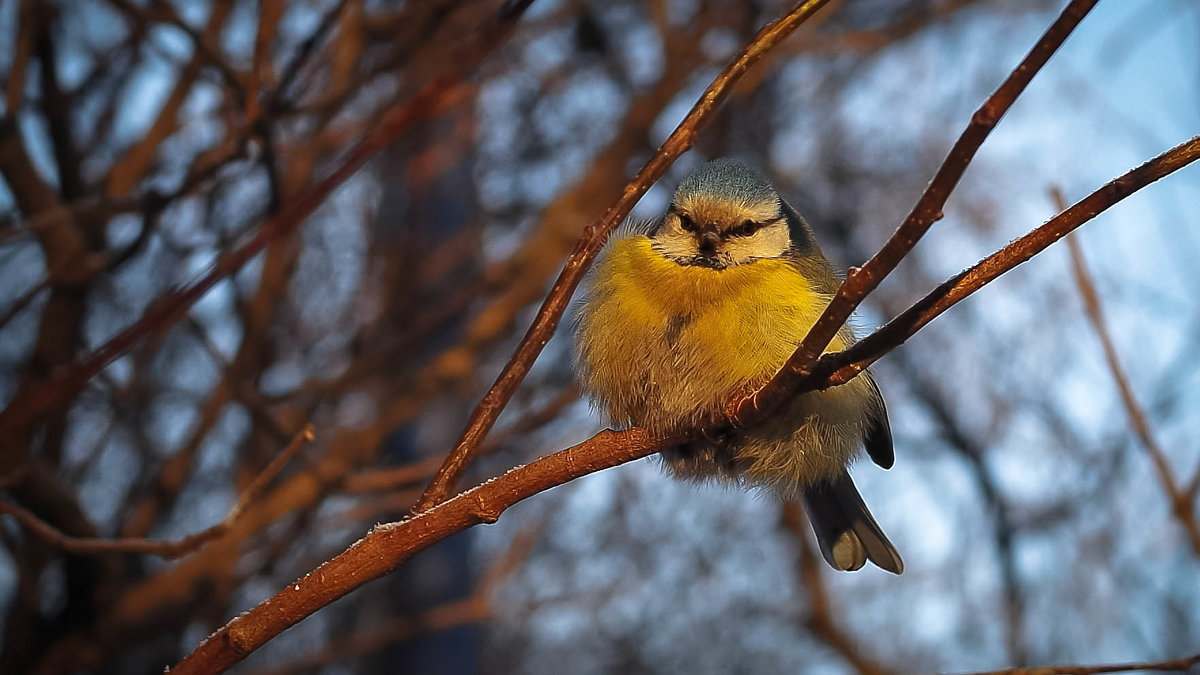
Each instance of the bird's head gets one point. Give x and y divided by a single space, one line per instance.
724 213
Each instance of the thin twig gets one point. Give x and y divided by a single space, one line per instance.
1181 505
400 477
588 247
862 280
23 301
166 549
432 98
1173 666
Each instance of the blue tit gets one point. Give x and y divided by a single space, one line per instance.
711 302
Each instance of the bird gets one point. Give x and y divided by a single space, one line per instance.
682 313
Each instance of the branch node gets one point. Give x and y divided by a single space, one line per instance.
239 639
484 513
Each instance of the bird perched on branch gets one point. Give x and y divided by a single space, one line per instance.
709 303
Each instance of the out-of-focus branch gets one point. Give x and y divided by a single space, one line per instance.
398 477
127 171
14 87
435 96
1173 666
204 43
164 549
862 280
820 619
1181 505
589 245
473 609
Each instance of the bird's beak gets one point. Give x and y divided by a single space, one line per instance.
709 241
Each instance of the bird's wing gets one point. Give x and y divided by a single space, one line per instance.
878 439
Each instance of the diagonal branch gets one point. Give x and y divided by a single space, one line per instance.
594 235
1182 506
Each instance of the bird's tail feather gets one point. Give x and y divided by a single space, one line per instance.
846 532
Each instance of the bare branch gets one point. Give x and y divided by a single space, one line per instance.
1172 666
434 97
387 546
1181 505
165 549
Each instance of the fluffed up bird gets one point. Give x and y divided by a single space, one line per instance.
710 302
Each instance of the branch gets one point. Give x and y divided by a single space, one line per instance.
387 546
860 281
432 98
1173 666
1181 504
473 609
165 549
589 245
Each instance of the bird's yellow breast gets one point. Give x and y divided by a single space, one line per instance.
660 343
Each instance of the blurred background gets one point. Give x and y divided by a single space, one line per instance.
142 139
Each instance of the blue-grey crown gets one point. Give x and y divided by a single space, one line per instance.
728 178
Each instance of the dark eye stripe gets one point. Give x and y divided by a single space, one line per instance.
746 229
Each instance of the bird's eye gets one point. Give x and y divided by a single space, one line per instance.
745 229
686 223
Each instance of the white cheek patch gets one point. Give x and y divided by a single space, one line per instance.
673 242
769 242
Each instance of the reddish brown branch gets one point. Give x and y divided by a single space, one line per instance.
386 546
1173 666
432 98
860 281
589 245
1181 504
166 549
473 609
